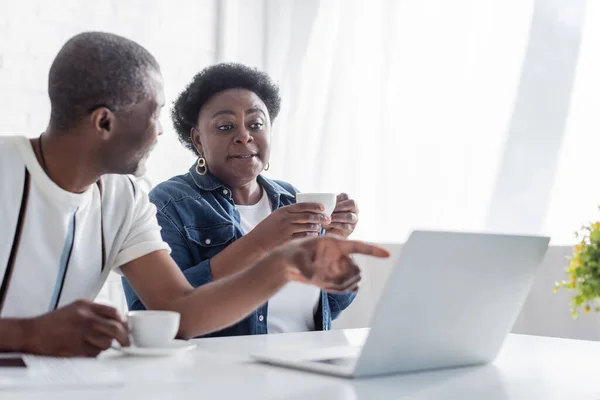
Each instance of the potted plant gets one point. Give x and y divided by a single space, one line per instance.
584 271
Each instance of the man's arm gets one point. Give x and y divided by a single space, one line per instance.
80 329
84 328
14 334
323 262
161 286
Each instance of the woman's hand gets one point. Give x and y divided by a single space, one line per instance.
344 217
290 222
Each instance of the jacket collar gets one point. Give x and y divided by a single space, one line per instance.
207 182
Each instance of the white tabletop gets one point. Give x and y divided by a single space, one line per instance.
528 367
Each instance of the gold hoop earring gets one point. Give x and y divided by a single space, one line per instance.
267 167
201 164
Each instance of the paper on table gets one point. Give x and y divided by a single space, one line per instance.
51 372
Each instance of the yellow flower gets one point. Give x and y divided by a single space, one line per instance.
587 308
596 226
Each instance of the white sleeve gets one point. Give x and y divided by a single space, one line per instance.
144 236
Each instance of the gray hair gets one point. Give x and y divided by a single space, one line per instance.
97 69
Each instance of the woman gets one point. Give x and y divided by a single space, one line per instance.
222 215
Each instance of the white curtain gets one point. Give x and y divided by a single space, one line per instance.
467 115
576 193
436 114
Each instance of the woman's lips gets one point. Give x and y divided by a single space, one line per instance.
243 156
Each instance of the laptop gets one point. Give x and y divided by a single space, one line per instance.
450 301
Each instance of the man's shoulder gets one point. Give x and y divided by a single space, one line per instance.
10 144
10 154
6 138
121 188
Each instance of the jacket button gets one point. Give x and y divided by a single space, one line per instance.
208 241
225 192
261 318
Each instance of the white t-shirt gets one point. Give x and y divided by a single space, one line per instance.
58 257
292 309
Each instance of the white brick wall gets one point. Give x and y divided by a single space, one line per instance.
180 33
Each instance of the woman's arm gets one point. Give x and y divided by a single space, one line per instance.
281 226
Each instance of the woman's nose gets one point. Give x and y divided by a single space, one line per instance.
243 136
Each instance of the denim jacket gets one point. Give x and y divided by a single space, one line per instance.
199 219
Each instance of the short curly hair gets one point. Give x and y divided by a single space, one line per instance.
213 80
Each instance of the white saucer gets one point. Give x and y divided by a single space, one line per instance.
175 347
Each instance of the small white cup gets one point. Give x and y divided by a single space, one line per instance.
327 199
152 328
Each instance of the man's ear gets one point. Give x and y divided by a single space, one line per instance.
103 121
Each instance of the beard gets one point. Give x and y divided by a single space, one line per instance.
140 169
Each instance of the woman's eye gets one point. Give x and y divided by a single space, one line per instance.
225 127
256 126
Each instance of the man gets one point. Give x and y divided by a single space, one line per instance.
69 215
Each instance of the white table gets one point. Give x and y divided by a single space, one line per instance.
528 367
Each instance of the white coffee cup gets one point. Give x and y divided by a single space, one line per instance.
326 199
152 328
